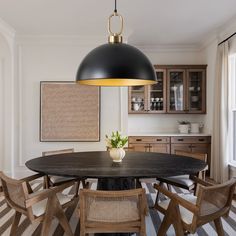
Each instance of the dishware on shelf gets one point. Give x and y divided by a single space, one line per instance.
139 99
194 98
152 99
191 88
136 106
133 99
173 88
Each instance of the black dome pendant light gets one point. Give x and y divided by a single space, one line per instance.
115 63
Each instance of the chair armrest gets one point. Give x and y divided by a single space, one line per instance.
200 181
173 196
32 177
46 193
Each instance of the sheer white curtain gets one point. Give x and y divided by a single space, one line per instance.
220 136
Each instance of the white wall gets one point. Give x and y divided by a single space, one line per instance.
167 122
6 108
43 59
209 57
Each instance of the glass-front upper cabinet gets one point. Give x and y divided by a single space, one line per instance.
176 90
137 99
157 93
196 85
179 89
149 98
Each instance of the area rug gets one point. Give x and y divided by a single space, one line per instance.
153 220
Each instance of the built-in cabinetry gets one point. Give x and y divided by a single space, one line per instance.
150 144
169 144
149 98
179 89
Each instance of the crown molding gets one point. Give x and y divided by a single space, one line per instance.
60 40
221 33
6 29
168 48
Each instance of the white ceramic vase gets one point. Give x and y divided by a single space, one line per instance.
117 154
183 129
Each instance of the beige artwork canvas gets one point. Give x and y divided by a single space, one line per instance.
69 112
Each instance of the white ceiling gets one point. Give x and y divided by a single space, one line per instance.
147 22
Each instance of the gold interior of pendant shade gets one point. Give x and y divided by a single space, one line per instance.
116 82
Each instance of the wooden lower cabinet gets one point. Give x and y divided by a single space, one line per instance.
150 144
169 144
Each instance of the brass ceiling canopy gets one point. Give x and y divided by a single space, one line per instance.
115 63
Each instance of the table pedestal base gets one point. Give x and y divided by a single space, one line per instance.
115 184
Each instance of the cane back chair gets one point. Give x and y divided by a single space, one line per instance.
187 212
40 206
112 211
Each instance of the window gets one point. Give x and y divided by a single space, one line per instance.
232 107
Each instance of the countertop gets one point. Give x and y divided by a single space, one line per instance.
167 134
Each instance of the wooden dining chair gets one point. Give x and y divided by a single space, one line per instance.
39 206
184 181
112 211
53 180
187 212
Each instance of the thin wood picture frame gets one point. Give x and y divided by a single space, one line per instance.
69 112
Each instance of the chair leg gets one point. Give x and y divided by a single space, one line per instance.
219 227
138 183
85 185
165 224
46 182
15 223
172 216
158 193
63 221
168 187
49 213
77 184
176 218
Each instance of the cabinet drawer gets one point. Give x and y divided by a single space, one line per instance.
160 148
195 139
139 147
149 139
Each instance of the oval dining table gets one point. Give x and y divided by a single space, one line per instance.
112 175
115 175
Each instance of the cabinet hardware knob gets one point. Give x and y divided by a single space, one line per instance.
158 139
180 139
138 139
201 139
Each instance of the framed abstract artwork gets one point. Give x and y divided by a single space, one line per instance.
69 112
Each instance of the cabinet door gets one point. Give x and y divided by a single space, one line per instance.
156 100
137 99
180 147
176 91
144 147
196 91
161 148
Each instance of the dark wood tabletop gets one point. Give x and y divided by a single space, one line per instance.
99 165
